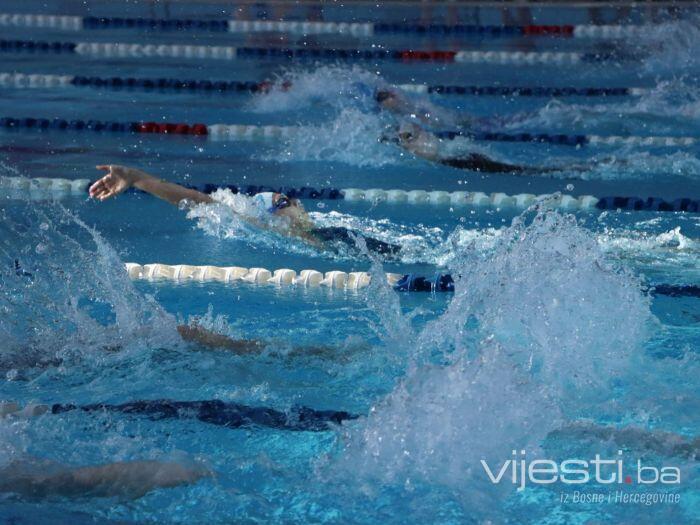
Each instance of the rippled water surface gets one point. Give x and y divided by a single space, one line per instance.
553 334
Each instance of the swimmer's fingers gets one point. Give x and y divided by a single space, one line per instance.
99 189
104 188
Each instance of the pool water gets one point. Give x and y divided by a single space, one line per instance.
551 323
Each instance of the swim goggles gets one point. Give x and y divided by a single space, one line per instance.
282 202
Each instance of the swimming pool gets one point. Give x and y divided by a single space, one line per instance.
551 337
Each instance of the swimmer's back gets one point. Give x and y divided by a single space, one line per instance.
338 234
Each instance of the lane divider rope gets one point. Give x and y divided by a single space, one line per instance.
525 91
253 132
199 52
23 81
78 23
65 187
283 276
332 279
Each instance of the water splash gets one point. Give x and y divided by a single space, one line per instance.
65 292
334 86
539 330
671 107
236 217
353 123
352 137
673 47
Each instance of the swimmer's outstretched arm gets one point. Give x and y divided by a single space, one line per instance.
121 178
131 479
656 441
193 333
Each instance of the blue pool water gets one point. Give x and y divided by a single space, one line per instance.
551 322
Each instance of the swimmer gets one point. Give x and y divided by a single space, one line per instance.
294 220
426 145
213 411
654 441
203 337
36 479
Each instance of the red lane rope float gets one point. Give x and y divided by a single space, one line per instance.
541 30
171 129
438 56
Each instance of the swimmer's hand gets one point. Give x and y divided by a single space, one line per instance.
121 178
118 180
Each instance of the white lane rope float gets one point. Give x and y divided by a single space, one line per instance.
283 276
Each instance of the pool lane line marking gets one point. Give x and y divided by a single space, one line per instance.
41 187
234 132
34 80
38 80
356 29
200 52
336 279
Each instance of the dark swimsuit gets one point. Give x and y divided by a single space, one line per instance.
476 162
339 234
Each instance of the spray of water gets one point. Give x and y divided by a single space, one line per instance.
673 47
333 86
65 292
539 330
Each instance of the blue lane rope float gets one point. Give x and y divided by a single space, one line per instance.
56 187
24 81
222 25
199 52
252 132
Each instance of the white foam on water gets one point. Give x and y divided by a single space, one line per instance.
539 329
71 296
335 86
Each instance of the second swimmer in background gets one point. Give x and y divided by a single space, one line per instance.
423 143
427 145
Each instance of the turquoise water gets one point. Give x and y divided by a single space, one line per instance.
550 324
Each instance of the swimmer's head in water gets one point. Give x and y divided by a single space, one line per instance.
408 132
386 98
280 205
